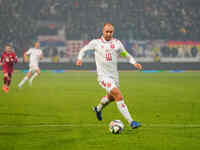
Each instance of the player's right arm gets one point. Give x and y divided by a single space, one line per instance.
26 55
90 46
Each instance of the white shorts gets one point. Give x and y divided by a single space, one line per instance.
33 68
108 83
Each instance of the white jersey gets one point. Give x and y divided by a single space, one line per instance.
35 55
106 55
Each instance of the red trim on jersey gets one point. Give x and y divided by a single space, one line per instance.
112 46
103 83
123 105
108 85
102 40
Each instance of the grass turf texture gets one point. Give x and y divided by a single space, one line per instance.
55 113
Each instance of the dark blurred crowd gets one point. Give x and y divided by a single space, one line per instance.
17 24
83 19
133 19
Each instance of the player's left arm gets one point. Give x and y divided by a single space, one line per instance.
124 53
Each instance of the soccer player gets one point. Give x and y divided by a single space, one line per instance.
8 59
107 49
34 70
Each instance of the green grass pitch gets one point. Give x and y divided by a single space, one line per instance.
55 113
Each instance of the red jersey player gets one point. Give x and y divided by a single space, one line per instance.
8 59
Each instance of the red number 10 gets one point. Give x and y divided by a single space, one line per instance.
108 57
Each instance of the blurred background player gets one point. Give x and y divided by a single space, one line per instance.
107 49
35 55
8 59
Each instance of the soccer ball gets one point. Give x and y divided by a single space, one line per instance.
116 126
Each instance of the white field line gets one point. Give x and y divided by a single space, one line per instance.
95 125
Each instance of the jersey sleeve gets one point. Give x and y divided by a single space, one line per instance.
28 52
124 53
90 46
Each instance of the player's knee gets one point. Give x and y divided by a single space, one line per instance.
6 76
116 94
119 97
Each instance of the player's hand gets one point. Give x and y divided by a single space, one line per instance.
138 66
25 59
41 57
79 62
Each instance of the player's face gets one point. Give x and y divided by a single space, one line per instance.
37 45
108 31
8 49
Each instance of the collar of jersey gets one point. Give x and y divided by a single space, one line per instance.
104 41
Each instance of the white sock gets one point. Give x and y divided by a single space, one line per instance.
124 110
23 81
33 76
104 101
